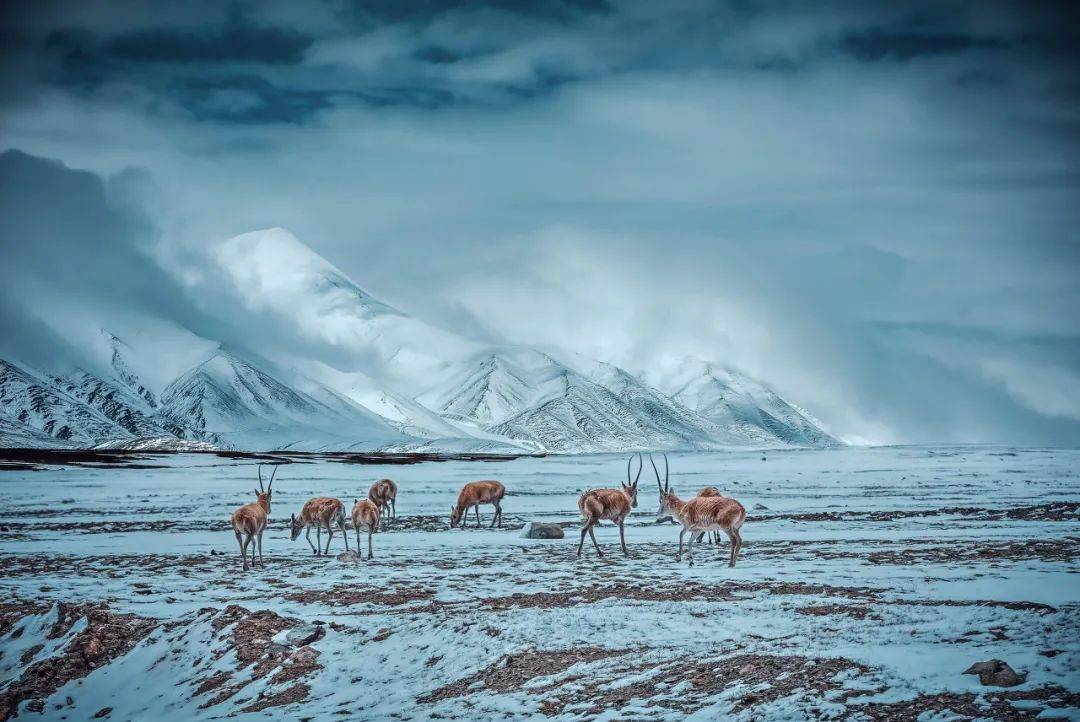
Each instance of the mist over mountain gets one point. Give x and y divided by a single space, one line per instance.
128 360
114 334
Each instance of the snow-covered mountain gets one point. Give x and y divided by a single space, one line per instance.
420 387
244 406
739 404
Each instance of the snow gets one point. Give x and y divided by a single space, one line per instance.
917 562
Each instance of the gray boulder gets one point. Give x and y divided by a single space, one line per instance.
349 556
542 530
305 634
996 673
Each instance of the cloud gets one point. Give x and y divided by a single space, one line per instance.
876 44
234 41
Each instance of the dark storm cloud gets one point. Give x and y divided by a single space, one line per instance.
877 44
235 42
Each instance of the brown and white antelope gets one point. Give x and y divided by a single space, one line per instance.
322 512
709 491
473 495
613 504
249 521
383 494
365 516
700 514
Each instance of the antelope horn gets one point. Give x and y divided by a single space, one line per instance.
657 472
666 471
259 469
640 466
272 475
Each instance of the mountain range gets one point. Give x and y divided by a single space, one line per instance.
413 386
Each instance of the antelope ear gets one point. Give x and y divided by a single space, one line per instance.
257 492
293 517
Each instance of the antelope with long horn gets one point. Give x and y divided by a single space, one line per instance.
700 514
322 512
249 521
613 504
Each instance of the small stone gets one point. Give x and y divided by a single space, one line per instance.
103 712
350 557
542 530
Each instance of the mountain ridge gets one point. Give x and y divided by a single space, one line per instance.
422 387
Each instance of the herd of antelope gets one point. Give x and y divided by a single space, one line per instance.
709 511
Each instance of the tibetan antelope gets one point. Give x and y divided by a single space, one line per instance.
323 513
473 495
709 491
249 521
700 514
365 516
613 504
383 494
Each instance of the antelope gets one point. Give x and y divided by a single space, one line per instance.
249 521
366 515
709 491
613 504
383 494
320 512
473 495
700 514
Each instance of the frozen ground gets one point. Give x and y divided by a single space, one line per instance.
869 581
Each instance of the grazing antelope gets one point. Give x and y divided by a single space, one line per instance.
473 495
323 513
700 514
709 491
383 494
249 521
365 515
613 504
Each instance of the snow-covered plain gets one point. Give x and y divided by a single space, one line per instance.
869 581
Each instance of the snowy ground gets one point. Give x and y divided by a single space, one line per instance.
869 581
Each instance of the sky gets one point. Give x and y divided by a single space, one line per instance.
871 206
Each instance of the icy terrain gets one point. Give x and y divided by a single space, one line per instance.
869 581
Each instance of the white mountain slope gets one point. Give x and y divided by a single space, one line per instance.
739 404
532 398
118 404
33 401
245 407
272 271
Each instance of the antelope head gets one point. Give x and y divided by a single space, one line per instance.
630 487
455 516
666 512
295 528
263 495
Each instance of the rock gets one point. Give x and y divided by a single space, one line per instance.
760 507
996 673
542 530
103 712
350 556
305 634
